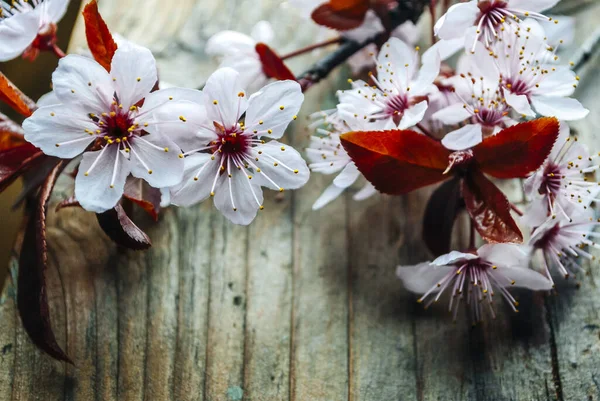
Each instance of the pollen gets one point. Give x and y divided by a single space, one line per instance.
212 193
166 149
170 97
181 156
145 124
282 148
89 84
86 173
52 114
241 94
138 79
215 102
295 117
195 178
114 79
270 131
72 90
182 118
280 189
261 122
261 207
149 171
133 108
112 114
281 107
295 171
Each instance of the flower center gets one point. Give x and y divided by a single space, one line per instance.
552 180
518 87
232 140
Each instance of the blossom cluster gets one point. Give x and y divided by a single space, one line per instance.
489 100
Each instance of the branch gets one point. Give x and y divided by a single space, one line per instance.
586 51
405 11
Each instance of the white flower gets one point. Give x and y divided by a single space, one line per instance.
238 51
561 187
530 78
22 22
562 243
400 89
100 115
476 277
477 100
328 156
487 19
230 160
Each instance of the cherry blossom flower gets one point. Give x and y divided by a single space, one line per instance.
400 89
562 243
477 100
238 51
474 276
487 19
231 160
101 115
28 26
530 79
561 187
328 156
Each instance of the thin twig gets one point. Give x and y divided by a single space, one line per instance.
432 6
57 51
516 209
471 234
426 131
312 47
586 51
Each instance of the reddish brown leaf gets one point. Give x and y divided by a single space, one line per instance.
34 176
69 202
99 38
341 14
517 151
273 66
489 209
32 297
119 227
397 162
148 198
442 208
11 133
12 96
15 161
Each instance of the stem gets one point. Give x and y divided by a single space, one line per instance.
426 131
516 209
445 6
57 51
432 6
312 47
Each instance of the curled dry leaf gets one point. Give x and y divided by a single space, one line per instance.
32 297
489 209
341 15
442 209
273 66
16 161
148 198
69 202
99 38
16 99
119 227
397 162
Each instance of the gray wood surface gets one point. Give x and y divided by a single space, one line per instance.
299 306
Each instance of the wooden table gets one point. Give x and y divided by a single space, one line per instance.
301 305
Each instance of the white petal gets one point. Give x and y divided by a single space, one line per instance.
58 124
94 191
263 32
427 74
446 48
564 132
280 166
331 193
71 84
453 114
165 197
504 254
252 77
532 5
366 192
520 103
563 32
239 204
17 33
49 99
348 176
275 105
134 69
399 54
523 277
163 96
456 20
54 10
559 82
191 191
422 277
413 115
453 257
536 213
156 159
224 101
563 108
229 42
463 138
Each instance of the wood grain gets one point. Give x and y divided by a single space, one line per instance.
299 306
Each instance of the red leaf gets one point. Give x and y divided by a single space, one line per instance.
119 227
273 66
397 162
11 133
341 14
139 192
32 299
99 38
517 151
489 209
15 161
12 96
442 208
